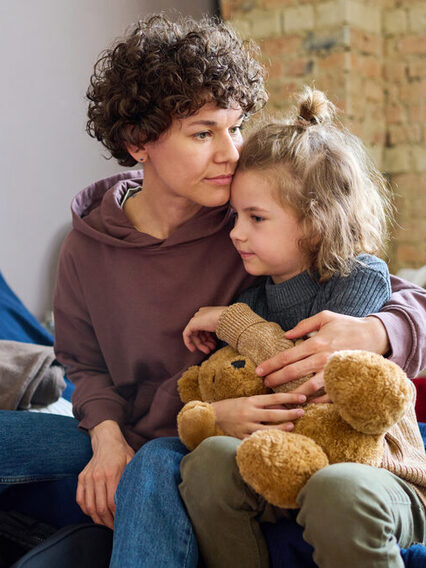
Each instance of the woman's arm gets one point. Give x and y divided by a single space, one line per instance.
398 331
404 319
96 403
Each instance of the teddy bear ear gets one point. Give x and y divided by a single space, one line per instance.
188 386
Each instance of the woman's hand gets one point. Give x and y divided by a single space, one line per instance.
98 481
334 332
198 334
240 417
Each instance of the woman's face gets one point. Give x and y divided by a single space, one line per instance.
196 158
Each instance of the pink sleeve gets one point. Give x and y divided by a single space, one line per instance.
404 318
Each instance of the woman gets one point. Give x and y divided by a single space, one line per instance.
139 262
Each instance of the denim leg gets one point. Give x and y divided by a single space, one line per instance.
40 447
41 456
151 527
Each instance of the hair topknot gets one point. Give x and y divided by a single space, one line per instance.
314 107
164 70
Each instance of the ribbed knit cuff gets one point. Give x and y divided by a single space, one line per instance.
234 321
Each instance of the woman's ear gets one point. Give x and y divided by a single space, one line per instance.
139 154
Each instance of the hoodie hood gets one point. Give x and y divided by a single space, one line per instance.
97 213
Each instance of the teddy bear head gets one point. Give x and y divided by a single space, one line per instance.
225 374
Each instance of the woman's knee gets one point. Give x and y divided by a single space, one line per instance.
156 464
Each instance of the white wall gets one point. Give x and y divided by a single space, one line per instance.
47 51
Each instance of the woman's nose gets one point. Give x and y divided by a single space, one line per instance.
228 150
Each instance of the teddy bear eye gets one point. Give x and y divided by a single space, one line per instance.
238 364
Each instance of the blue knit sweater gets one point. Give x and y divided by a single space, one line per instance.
364 291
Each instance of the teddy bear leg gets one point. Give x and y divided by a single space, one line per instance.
196 422
277 464
370 392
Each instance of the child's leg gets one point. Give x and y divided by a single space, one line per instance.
225 512
355 515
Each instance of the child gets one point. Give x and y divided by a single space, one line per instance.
310 209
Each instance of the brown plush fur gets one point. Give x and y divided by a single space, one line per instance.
369 393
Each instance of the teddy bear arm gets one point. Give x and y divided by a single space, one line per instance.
196 422
256 338
251 335
188 385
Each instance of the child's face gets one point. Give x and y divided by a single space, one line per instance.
265 234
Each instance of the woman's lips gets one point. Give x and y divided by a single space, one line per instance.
220 180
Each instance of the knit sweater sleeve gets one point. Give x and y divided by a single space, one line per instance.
364 291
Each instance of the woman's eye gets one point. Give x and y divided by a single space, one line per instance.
202 135
236 129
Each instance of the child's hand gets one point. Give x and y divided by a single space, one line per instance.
198 334
240 417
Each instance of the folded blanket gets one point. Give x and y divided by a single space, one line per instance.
29 375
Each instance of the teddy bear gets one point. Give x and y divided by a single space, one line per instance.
369 394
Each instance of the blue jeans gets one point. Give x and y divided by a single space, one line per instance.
151 527
41 456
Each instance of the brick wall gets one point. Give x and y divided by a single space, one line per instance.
370 58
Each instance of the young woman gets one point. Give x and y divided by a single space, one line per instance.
146 250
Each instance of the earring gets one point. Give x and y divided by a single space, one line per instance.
140 159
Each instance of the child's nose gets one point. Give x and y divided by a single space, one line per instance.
235 234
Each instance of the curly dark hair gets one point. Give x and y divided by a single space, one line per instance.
164 70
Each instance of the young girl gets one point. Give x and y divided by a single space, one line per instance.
310 209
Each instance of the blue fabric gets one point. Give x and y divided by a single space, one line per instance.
41 456
18 324
151 524
288 549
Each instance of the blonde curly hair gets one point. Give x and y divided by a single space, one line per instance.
325 175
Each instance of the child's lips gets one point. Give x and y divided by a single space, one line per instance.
245 255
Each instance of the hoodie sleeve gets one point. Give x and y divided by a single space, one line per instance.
95 397
404 318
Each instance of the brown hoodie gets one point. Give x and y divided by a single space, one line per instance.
122 300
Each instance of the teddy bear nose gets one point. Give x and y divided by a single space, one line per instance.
238 364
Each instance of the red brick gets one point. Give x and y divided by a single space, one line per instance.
298 68
409 255
395 113
279 3
413 44
335 62
417 69
287 45
366 65
401 134
395 71
417 112
413 91
366 42
275 70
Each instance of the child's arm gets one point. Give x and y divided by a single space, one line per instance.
198 333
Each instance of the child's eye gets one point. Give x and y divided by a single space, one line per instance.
257 218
